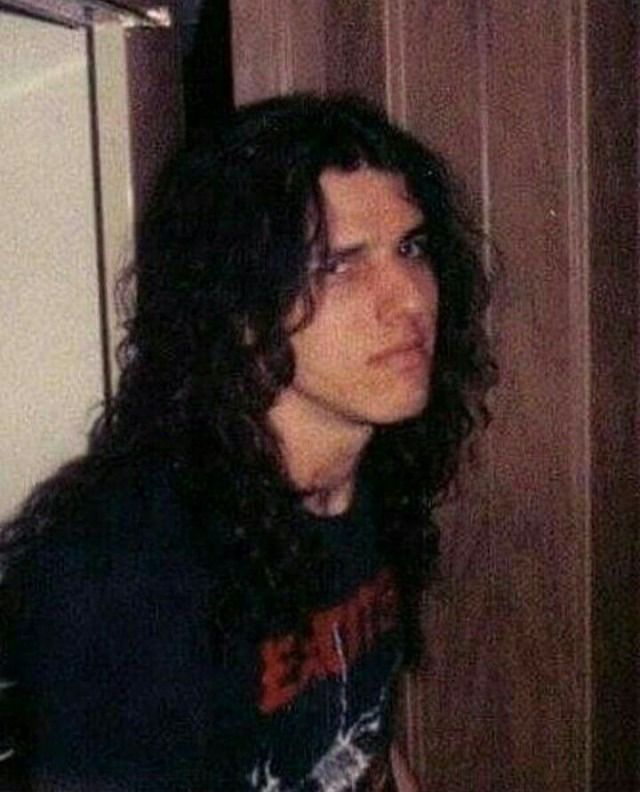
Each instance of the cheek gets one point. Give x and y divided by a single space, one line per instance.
430 292
318 343
428 284
331 339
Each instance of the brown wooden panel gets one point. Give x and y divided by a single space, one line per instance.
257 50
277 47
308 55
354 47
532 629
514 554
156 104
512 646
538 513
613 102
452 712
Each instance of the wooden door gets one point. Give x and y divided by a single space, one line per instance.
532 631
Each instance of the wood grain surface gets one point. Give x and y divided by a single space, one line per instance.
532 627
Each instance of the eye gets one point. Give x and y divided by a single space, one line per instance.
415 247
334 264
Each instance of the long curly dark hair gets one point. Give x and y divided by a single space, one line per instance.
226 246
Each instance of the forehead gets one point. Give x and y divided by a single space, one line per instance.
367 201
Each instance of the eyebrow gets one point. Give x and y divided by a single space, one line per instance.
418 230
347 250
354 249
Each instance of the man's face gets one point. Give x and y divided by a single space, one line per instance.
365 356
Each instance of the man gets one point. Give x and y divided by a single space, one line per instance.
220 595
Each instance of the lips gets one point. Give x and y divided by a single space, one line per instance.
411 350
405 358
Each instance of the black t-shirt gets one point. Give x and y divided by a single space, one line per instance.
121 686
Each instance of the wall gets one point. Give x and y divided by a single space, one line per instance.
88 117
532 630
50 353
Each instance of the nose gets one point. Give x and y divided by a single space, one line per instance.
405 288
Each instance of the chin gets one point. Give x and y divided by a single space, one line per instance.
392 413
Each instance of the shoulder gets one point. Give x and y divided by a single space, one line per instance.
109 631
89 505
118 572
125 533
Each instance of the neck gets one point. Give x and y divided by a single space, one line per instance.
321 454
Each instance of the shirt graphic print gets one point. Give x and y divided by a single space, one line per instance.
336 662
